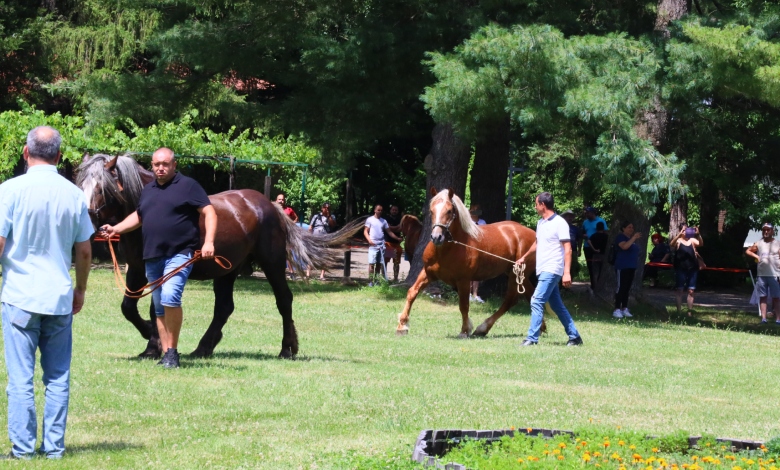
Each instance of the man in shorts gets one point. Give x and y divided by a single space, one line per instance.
767 252
395 252
168 214
374 232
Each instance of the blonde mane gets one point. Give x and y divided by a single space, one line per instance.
469 227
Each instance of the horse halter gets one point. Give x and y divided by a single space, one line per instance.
446 227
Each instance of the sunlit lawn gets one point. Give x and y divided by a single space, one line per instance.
357 389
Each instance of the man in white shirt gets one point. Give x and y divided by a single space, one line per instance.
375 231
553 264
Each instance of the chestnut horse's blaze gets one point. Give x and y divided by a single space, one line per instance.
458 265
250 229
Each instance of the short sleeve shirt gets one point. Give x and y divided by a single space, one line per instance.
549 251
290 213
170 217
42 215
589 226
376 229
625 259
319 223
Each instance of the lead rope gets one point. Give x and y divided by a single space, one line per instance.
137 294
518 270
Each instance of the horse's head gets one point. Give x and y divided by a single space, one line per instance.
443 214
102 182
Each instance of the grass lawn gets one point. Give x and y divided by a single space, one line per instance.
357 389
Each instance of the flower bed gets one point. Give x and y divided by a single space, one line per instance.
589 448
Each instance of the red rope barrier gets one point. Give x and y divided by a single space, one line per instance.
723 270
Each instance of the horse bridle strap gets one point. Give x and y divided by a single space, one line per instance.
154 285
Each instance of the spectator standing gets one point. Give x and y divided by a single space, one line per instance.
659 254
394 249
574 233
767 252
168 214
686 264
626 259
282 201
321 224
43 217
588 229
598 243
553 264
375 230
476 212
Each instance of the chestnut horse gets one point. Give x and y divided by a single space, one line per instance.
250 228
411 228
458 265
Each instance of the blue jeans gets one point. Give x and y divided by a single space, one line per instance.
23 333
547 291
169 294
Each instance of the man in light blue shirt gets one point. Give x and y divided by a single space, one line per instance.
589 225
43 217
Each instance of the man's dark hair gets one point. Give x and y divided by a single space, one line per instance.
600 226
625 224
546 199
43 143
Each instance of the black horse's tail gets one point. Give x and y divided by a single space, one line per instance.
306 249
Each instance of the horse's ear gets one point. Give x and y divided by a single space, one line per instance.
450 192
111 164
433 191
85 158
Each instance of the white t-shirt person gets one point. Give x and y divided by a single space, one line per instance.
550 254
376 229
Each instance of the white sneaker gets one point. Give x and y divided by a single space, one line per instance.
617 313
626 313
471 298
370 284
478 299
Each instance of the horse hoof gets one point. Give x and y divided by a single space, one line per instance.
150 353
481 331
463 336
201 353
286 354
402 332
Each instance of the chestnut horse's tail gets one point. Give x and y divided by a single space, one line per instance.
306 249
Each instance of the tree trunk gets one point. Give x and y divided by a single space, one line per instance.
446 167
624 211
678 215
708 209
491 162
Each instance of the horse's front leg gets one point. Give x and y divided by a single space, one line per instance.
411 295
135 280
223 307
463 302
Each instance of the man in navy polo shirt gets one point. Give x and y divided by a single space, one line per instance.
553 265
169 212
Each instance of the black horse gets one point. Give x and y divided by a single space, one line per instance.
250 228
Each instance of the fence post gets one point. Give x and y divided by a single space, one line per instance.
347 262
268 185
232 180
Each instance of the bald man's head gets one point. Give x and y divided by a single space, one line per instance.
163 165
43 143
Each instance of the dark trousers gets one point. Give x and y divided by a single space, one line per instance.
589 261
625 277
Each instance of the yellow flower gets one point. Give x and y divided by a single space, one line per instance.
557 452
655 449
685 465
632 447
707 459
562 445
532 458
716 461
597 465
511 428
583 443
730 457
519 460
560 457
749 462
546 452
694 467
651 460
621 443
615 456
636 457
736 467
597 454
529 429
586 457
606 443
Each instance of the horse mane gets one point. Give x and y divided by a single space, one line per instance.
409 218
93 176
469 227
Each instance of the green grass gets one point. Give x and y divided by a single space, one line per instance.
357 389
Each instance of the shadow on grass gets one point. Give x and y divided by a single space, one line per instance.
101 447
258 356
